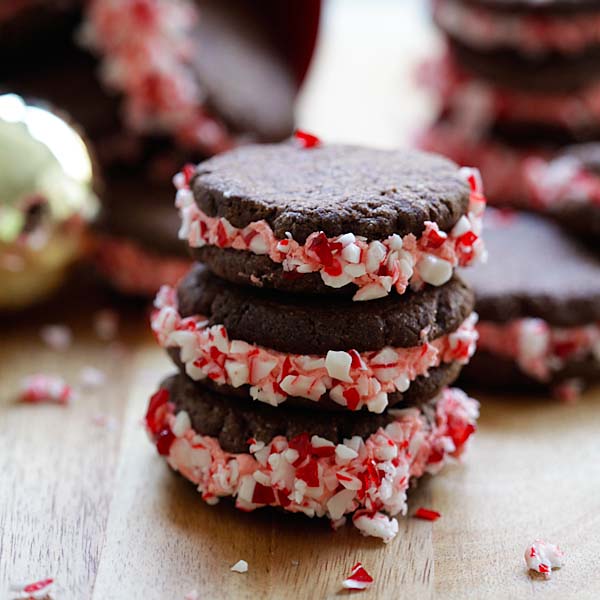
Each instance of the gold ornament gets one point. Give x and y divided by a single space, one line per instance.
46 200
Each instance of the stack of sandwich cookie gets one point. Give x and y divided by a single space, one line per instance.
520 78
293 390
539 309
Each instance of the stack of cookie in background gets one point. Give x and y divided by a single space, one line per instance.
316 343
518 85
518 88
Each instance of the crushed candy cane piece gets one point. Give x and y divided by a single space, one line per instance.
192 595
32 591
57 337
427 514
45 388
91 377
305 139
106 324
543 557
241 566
359 579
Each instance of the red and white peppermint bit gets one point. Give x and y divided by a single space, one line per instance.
530 34
32 591
306 140
359 579
45 388
192 595
57 337
106 324
563 180
133 270
427 514
542 557
352 379
539 348
241 566
153 69
376 267
368 478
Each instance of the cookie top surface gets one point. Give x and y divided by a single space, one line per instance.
535 270
332 188
314 325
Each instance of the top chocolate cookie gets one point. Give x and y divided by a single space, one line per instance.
324 218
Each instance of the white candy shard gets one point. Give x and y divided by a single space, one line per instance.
241 566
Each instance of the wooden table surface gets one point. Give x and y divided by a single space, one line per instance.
96 508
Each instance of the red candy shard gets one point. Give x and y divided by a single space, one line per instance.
222 236
301 444
164 441
544 568
435 239
359 579
37 586
427 514
263 494
306 140
323 249
309 473
188 172
323 451
157 401
357 361
283 497
467 239
352 398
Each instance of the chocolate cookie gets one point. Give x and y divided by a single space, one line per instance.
330 354
568 188
538 303
285 458
359 218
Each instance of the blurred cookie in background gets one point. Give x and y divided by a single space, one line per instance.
519 80
538 300
568 188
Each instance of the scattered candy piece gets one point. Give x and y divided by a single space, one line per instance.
427 514
359 579
57 337
241 566
306 140
90 377
295 563
32 591
543 557
45 388
106 324
193 595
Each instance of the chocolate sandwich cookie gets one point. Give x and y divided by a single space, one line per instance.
539 307
568 188
306 217
333 353
284 457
